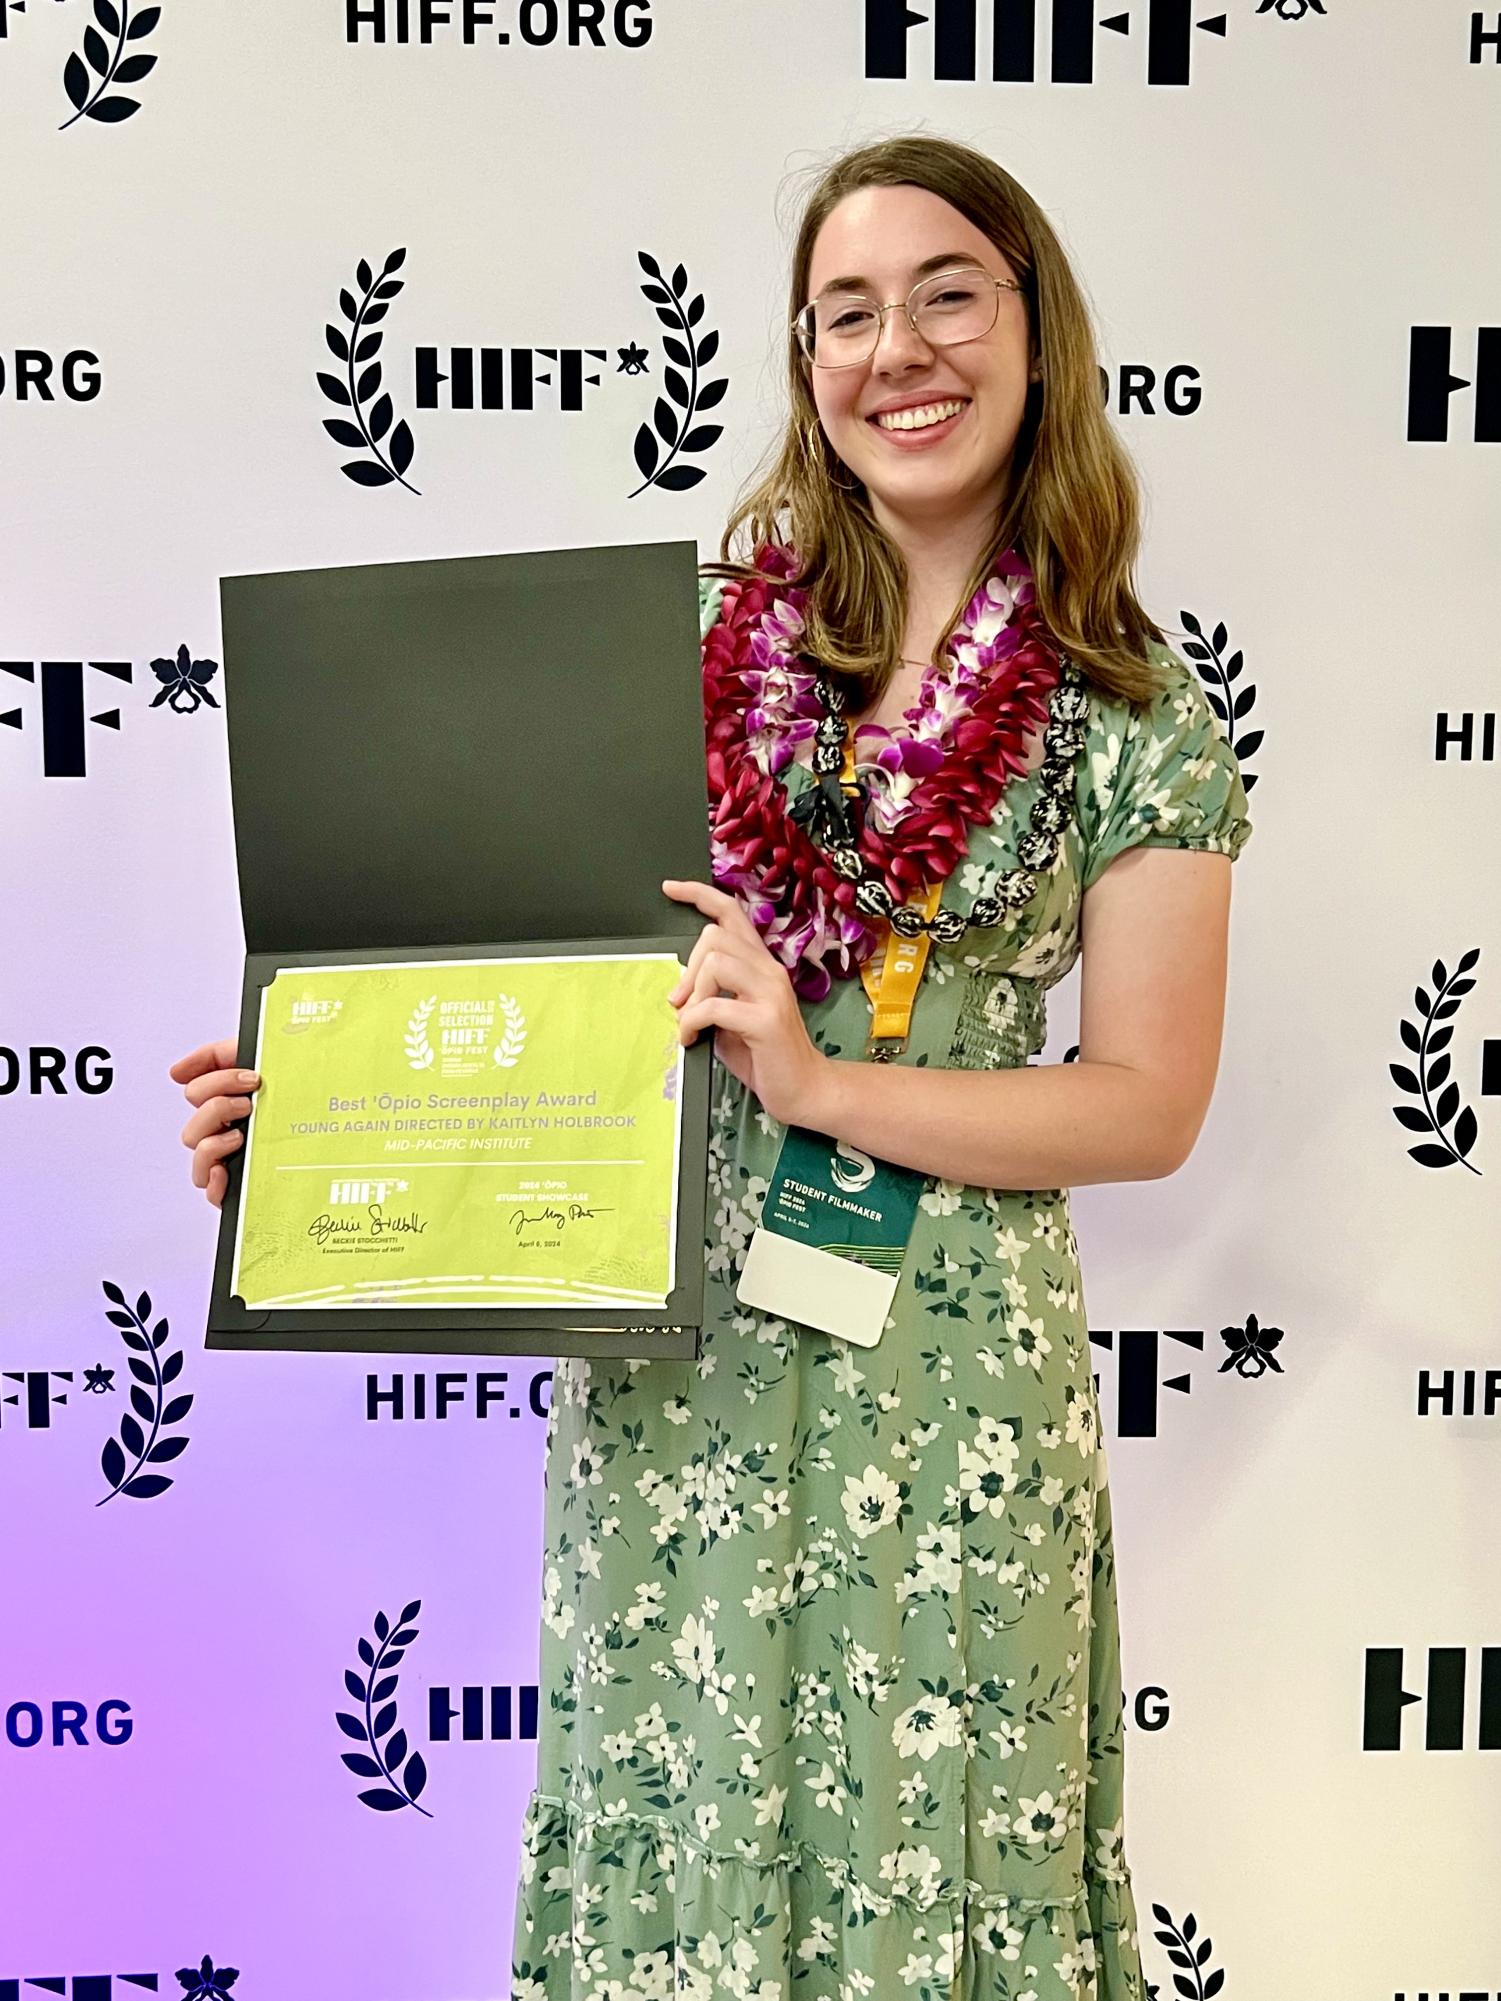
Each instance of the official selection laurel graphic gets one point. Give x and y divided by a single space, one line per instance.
359 389
1429 1038
385 1755
508 1049
662 448
420 1055
142 1441
1216 672
102 96
666 430
419 1049
1191 1981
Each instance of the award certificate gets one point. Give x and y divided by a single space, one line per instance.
457 1133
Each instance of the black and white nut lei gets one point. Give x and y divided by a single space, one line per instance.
824 812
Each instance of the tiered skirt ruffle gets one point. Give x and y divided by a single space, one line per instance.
630 1907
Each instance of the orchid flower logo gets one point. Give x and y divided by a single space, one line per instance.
1251 1348
184 683
205 1983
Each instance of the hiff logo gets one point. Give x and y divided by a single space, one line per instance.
203 1982
1444 1720
1472 733
32 1401
1013 27
1479 1392
1458 1994
64 709
1137 1362
146 1438
1432 385
484 1714
65 701
1250 1352
357 1194
512 379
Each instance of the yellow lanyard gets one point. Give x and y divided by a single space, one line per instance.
893 999
894 995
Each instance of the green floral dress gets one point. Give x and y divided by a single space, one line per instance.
831 1685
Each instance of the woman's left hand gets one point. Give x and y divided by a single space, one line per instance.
761 1038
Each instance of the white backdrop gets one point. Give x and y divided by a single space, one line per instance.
1274 229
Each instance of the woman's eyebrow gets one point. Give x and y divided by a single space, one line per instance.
918 271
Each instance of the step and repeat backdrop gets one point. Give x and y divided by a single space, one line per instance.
211 211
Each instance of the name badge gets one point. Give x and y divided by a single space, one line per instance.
834 1229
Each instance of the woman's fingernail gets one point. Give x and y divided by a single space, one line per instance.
246 1077
235 1138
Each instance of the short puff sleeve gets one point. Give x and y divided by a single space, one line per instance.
1161 775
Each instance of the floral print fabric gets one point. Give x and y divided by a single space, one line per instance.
831 1690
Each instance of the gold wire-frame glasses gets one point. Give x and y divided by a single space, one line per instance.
803 322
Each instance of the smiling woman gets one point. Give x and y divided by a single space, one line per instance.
831 1665
830 1668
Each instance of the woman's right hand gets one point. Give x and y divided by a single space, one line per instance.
220 1092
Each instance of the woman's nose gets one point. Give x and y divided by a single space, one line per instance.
898 341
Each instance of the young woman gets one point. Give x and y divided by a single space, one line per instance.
831 1675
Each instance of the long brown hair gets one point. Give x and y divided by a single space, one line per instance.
1074 506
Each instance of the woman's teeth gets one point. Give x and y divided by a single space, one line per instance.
918 419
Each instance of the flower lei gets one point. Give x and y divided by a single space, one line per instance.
925 786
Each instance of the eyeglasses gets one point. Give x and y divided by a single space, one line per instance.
842 329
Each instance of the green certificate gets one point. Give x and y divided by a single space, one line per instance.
475 1132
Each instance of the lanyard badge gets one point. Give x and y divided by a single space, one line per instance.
834 1227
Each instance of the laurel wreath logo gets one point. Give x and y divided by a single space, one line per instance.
1211 653
1192 1984
419 1049
508 1049
363 430
108 104
1430 1044
152 1371
691 396
378 1686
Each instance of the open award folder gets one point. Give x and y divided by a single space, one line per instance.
458 786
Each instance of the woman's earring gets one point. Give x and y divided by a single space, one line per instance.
811 447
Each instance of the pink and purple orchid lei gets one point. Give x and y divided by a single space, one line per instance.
784 707
895 761
926 781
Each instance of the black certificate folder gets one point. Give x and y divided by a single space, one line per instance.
469 757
